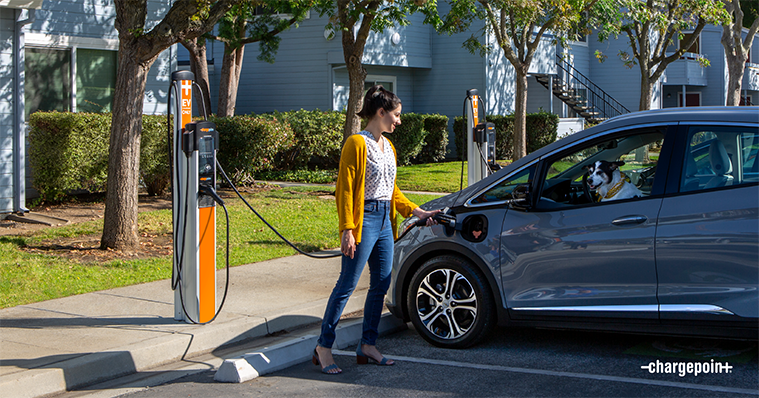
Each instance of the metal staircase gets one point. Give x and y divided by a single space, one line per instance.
581 94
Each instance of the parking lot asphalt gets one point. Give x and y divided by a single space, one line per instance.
513 362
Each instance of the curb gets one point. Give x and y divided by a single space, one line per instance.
97 367
292 352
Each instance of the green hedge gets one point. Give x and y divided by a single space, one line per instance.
318 135
408 137
436 140
69 152
541 131
249 144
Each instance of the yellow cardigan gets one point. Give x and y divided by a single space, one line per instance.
349 191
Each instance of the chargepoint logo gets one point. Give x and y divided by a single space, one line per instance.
686 368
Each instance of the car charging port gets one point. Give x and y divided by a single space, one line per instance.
475 228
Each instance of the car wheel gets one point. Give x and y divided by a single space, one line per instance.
450 303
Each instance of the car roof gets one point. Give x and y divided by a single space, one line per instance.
719 114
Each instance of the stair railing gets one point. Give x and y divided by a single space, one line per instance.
597 99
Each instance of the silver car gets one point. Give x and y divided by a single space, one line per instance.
531 245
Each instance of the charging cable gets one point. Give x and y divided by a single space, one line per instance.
267 224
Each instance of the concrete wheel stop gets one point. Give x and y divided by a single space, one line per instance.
283 355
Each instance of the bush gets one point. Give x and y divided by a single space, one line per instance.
436 140
408 138
318 136
541 131
154 155
69 152
250 144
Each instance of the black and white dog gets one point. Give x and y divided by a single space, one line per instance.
609 182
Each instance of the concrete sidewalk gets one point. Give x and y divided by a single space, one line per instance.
58 345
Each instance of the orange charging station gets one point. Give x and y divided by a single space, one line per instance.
476 168
194 147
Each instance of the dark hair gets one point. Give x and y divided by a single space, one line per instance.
378 98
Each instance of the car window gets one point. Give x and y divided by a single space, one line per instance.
719 157
565 185
502 191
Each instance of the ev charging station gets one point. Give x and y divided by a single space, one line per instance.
480 138
193 158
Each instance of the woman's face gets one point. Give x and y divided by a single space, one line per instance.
388 120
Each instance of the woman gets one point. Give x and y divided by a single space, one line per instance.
367 199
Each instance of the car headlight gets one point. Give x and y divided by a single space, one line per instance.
408 224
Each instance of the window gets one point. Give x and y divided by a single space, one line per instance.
95 80
720 157
388 82
503 190
565 184
50 81
695 47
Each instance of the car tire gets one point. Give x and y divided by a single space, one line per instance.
450 303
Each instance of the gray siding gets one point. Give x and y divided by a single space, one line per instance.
76 18
612 76
7 21
309 69
95 20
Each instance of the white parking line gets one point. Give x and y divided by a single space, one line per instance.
565 374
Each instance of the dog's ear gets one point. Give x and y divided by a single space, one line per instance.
616 165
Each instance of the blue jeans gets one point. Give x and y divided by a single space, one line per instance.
376 248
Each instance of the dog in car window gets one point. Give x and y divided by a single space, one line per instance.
609 182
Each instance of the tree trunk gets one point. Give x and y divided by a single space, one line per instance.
120 222
646 90
734 80
520 116
231 66
356 76
199 67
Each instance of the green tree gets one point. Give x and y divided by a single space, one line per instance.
737 47
354 19
249 21
138 49
518 27
652 26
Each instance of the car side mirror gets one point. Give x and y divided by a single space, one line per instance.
521 198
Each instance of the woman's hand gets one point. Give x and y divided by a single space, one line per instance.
422 214
348 243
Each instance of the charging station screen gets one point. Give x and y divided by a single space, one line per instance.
205 152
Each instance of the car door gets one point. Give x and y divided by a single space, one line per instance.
567 256
707 243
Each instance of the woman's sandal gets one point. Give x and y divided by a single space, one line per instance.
362 359
326 370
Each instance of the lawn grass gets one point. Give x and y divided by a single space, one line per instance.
431 177
305 217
